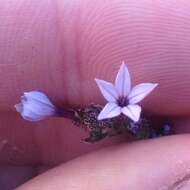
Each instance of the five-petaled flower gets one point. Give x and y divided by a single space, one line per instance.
121 98
35 106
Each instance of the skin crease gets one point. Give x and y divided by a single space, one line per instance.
59 47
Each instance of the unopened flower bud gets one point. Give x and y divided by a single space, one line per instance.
35 106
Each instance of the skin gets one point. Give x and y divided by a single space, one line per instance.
59 47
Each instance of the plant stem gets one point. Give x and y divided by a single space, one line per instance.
69 114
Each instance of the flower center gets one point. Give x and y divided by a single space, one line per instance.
122 101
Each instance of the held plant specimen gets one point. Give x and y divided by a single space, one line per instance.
121 114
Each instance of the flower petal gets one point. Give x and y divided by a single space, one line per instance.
33 110
108 90
140 91
38 108
39 96
110 110
31 116
132 111
123 81
26 113
19 107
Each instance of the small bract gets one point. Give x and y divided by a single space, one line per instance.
121 97
35 106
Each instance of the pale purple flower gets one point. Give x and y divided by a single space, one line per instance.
35 106
121 98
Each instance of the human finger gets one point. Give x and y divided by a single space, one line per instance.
162 163
85 40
